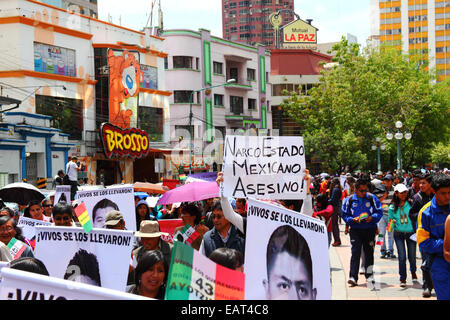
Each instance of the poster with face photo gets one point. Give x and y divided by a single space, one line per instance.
62 194
99 202
286 255
101 257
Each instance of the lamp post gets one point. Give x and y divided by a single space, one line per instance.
399 136
230 81
377 147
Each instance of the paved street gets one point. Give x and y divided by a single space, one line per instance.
386 276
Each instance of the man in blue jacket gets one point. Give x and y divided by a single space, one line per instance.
361 212
430 234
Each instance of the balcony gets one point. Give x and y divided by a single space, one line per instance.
240 84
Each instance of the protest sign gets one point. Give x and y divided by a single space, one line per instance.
66 251
28 226
100 202
168 226
283 246
21 285
264 167
192 276
62 194
186 235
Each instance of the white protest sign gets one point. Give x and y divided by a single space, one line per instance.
62 194
21 285
99 202
264 167
28 226
67 251
286 255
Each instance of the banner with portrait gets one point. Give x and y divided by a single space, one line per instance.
100 258
21 285
286 255
99 202
62 194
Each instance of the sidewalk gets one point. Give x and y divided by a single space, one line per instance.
387 279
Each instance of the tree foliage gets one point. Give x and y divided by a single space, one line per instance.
361 98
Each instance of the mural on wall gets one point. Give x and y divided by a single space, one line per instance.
125 78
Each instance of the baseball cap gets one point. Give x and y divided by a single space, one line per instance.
400 188
113 217
388 177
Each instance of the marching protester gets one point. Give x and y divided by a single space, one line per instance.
403 230
223 234
143 212
35 211
229 258
72 169
114 220
336 202
62 215
191 215
430 234
324 210
421 198
150 275
10 233
362 212
386 200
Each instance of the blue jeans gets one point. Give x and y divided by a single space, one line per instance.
403 242
382 224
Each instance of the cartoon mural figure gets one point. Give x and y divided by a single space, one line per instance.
125 78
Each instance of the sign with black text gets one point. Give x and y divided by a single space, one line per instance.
264 167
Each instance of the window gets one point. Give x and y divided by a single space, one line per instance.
220 133
218 99
67 114
251 74
182 62
218 67
181 96
151 120
236 104
251 104
166 63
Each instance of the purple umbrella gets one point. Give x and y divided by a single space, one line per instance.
194 191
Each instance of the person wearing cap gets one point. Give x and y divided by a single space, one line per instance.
114 220
150 236
386 200
403 230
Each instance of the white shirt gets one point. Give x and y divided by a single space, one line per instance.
71 170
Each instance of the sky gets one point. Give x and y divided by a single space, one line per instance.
333 18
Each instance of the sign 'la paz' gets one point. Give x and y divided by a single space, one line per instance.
299 34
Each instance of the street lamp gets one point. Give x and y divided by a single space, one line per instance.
230 81
377 146
399 136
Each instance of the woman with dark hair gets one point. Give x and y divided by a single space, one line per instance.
324 211
5 211
403 230
11 234
143 212
30 265
336 202
150 275
229 258
47 205
191 214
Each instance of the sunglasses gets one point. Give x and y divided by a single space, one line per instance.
47 205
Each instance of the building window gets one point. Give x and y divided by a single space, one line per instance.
220 133
184 132
67 114
218 100
181 96
151 120
166 63
218 67
182 62
236 105
251 104
251 74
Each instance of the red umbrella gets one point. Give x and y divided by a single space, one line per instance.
194 191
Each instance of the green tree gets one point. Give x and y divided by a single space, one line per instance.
440 155
361 98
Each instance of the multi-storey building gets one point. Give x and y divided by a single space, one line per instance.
85 7
419 27
247 21
197 61
63 72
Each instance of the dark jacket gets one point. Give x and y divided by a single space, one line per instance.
213 241
418 201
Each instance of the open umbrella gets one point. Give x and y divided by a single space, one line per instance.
149 187
21 193
194 191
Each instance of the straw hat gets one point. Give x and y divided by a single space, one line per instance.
149 229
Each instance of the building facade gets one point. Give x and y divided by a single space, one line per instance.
60 66
419 27
248 21
84 7
198 67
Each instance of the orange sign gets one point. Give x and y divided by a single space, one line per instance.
119 143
